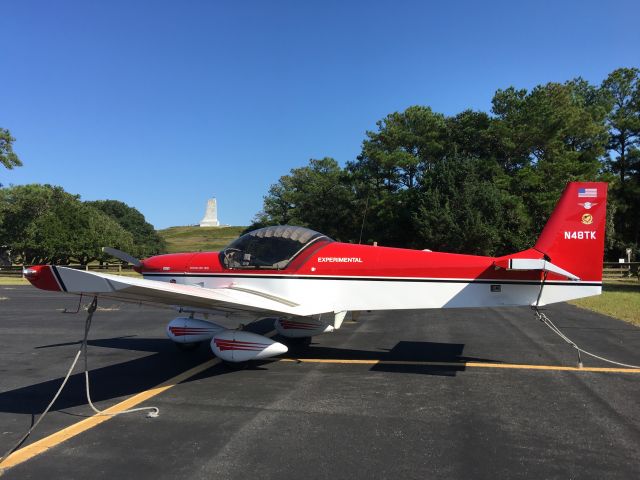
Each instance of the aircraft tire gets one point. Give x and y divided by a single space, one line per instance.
235 366
187 347
299 342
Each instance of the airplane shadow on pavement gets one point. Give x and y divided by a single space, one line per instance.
113 381
411 357
134 376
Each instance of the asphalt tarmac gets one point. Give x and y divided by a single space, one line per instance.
393 395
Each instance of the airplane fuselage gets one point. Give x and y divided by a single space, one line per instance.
363 277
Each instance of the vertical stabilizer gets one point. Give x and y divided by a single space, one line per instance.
573 238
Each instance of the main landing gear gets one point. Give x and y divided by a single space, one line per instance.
299 342
187 347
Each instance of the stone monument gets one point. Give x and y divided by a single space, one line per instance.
211 214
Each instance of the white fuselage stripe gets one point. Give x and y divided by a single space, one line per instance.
348 293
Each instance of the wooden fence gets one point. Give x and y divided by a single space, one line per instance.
620 270
16 270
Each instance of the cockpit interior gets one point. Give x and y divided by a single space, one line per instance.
271 248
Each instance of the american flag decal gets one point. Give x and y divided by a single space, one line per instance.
587 192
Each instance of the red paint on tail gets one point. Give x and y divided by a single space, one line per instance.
573 238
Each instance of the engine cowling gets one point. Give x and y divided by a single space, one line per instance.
241 346
301 328
192 330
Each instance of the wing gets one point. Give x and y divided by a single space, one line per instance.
233 299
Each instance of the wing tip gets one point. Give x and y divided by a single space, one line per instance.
44 277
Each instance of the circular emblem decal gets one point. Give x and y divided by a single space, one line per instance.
587 219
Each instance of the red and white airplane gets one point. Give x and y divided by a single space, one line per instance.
309 282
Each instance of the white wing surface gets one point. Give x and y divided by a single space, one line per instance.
234 298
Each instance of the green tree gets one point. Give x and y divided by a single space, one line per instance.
550 136
622 92
472 134
479 182
146 241
7 156
45 224
387 175
405 145
317 196
465 208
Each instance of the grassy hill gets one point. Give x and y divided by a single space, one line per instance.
195 239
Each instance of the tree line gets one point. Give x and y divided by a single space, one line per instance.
477 182
44 224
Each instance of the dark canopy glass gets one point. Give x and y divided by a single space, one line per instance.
270 247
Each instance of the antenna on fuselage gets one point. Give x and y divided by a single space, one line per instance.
364 216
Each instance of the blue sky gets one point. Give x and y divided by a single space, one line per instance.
163 104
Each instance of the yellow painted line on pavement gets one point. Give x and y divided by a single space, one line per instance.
41 446
60 436
512 366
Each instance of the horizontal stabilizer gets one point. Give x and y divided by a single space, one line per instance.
534 264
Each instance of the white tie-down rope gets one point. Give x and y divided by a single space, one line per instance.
544 319
547 321
153 411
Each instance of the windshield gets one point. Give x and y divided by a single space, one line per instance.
270 247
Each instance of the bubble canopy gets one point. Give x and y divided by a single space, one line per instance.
270 247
